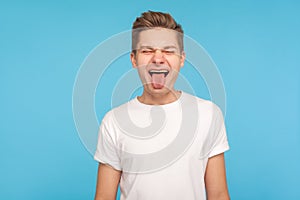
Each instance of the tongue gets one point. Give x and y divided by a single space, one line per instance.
158 80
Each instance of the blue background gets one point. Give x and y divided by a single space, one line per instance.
255 45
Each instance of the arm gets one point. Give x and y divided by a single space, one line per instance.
215 179
107 182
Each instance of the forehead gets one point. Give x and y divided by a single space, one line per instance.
158 37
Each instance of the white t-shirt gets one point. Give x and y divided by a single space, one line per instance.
162 150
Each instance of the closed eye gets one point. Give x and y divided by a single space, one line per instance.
147 51
168 51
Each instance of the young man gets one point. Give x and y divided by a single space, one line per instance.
190 139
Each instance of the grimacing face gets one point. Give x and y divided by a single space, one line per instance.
158 59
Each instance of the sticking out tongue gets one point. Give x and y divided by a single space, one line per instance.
158 80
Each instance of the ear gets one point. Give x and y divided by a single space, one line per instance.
182 59
133 60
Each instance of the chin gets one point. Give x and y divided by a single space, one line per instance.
154 91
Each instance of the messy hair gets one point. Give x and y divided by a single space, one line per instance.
152 19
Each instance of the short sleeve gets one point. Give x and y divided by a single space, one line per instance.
220 142
107 152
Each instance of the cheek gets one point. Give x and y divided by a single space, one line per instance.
176 64
142 70
143 60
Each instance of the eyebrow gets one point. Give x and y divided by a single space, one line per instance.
166 47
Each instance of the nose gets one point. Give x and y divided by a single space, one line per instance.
158 57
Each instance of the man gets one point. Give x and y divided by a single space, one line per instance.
189 168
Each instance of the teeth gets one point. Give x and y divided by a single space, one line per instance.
153 71
158 71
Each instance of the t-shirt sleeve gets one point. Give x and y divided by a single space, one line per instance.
220 142
107 152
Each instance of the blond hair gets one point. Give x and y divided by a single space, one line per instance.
153 19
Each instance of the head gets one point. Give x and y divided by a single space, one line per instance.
157 50
150 20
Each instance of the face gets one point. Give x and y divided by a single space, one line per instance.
158 59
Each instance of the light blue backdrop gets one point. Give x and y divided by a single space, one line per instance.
255 45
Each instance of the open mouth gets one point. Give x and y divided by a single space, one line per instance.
158 78
165 72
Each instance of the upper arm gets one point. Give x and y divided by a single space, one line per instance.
107 182
215 178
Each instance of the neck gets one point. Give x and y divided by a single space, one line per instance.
159 99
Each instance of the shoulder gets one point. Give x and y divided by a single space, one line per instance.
118 111
204 105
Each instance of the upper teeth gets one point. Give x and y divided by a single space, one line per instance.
154 71
158 71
